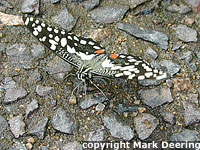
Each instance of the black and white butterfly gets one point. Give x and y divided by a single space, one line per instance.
89 56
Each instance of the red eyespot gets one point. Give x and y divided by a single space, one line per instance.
113 56
99 51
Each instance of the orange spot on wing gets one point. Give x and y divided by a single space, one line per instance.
99 51
113 56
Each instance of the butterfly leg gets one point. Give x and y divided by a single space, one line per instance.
85 89
70 74
76 88
98 89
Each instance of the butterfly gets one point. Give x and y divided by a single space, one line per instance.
88 56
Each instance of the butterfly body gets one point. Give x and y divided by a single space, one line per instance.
89 56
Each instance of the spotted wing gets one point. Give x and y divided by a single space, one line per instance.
67 46
129 66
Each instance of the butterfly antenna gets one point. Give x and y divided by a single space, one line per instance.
98 89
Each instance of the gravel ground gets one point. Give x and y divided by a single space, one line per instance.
37 110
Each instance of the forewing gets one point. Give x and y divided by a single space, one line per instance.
68 46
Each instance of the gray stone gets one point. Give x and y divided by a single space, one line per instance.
30 6
19 56
72 146
168 116
64 19
187 56
31 107
156 37
126 108
191 113
90 4
34 77
198 90
52 1
17 126
39 128
145 124
193 98
135 3
172 67
97 135
198 54
148 82
74 1
193 66
37 50
58 68
63 122
149 9
92 99
117 127
43 90
109 14
176 46
13 92
156 97
195 4
19 146
9 83
5 4
150 53
3 125
186 34
100 107
182 9
186 135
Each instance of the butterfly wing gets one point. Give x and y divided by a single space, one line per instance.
129 66
78 51
67 46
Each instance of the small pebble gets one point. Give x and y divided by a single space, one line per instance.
29 145
72 99
31 140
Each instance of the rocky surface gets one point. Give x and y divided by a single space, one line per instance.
3 125
117 127
13 91
58 68
98 134
72 146
31 107
156 97
172 67
30 6
182 9
64 19
38 128
89 5
186 34
62 121
145 124
109 14
43 90
17 126
92 100
185 135
156 37
191 113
